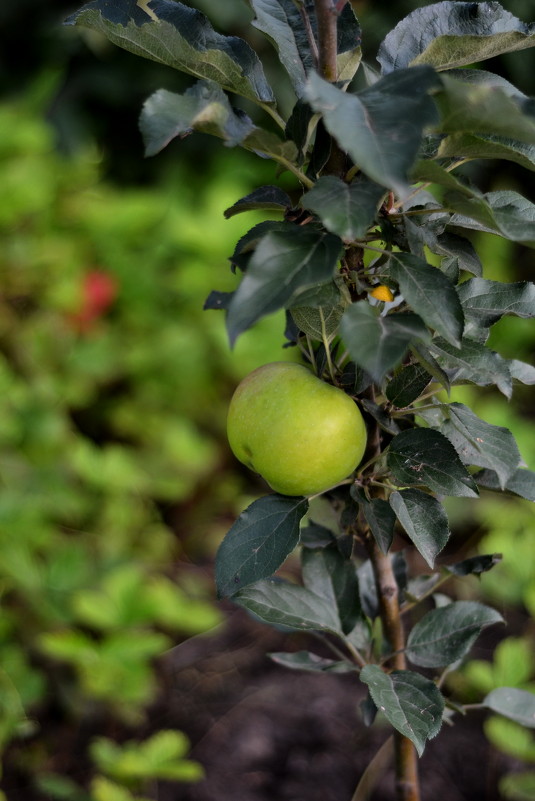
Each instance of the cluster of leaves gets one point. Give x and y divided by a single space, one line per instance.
380 199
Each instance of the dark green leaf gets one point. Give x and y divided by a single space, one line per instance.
503 212
410 702
298 127
381 520
485 108
380 127
429 363
249 241
473 146
521 483
487 301
218 300
473 363
304 660
430 294
426 458
424 519
459 248
380 414
407 385
203 107
446 634
270 198
512 703
282 266
475 565
327 574
258 542
284 604
180 37
378 343
282 22
347 210
316 536
479 443
453 34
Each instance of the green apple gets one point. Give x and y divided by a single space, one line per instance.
301 434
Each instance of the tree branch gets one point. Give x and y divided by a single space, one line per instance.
327 20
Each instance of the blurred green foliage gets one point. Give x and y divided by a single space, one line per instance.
113 391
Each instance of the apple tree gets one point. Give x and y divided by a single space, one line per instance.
372 257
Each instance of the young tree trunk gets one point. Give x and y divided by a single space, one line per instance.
407 784
406 760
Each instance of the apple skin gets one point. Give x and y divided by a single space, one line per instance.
301 434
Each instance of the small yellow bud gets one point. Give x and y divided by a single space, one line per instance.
382 292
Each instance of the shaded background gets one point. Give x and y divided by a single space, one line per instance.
116 480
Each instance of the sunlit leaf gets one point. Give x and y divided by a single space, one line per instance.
453 34
180 37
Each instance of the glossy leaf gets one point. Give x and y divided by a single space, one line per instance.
479 443
473 363
327 574
410 702
446 634
488 301
258 542
453 34
282 266
304 660
407 385
282 22
283 604
381 520
180 37
430 294
424 519
427 458
347 210
268 198
378 343
380 127
522 482
512 703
